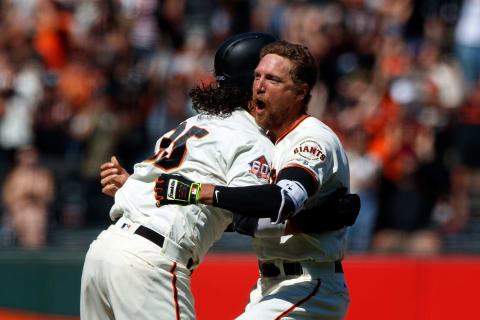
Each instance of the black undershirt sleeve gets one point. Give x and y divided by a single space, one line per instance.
253 201
302 175
261 201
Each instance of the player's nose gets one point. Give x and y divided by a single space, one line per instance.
259 85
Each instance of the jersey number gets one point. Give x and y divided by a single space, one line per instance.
177 143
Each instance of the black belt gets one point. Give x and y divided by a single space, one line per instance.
289 268
151 235
156 238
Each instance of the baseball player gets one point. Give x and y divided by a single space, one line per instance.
301 275
140 267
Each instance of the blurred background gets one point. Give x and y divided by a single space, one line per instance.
82 80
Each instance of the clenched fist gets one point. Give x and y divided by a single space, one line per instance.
175 189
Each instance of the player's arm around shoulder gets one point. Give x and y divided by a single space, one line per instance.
336 212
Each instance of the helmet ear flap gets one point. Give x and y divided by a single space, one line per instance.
237 58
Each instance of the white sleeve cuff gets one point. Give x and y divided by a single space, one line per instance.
265 229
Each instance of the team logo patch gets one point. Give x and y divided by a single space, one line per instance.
310 150
260 168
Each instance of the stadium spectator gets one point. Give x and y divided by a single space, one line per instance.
28 192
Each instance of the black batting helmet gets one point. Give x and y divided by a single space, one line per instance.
237 58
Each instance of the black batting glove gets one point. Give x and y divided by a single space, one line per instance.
175 189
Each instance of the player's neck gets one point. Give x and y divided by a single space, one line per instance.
287 127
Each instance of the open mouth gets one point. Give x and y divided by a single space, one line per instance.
260 105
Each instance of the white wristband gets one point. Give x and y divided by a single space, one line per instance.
295 191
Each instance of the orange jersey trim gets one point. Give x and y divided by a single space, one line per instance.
175 291
306 169
314 292
305 116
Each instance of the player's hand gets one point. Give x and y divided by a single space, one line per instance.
112 176
338 211
175 189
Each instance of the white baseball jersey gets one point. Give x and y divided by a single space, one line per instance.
127 276
312 145
320 292
229 151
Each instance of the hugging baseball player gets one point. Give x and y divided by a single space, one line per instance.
139 268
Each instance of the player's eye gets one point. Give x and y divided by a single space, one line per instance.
272 78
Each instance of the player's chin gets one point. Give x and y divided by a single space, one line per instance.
262 120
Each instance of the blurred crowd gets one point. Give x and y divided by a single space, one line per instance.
81 80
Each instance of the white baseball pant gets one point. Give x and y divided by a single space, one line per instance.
319 293
126 276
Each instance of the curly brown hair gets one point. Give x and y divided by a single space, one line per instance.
220 101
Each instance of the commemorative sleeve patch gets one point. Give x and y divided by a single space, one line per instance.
260 167
310 150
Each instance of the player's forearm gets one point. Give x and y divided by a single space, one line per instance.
253 201
277 202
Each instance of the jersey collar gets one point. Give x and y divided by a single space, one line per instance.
305 116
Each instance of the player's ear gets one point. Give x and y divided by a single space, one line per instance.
302 91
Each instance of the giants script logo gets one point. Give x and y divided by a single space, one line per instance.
260 168
310 150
